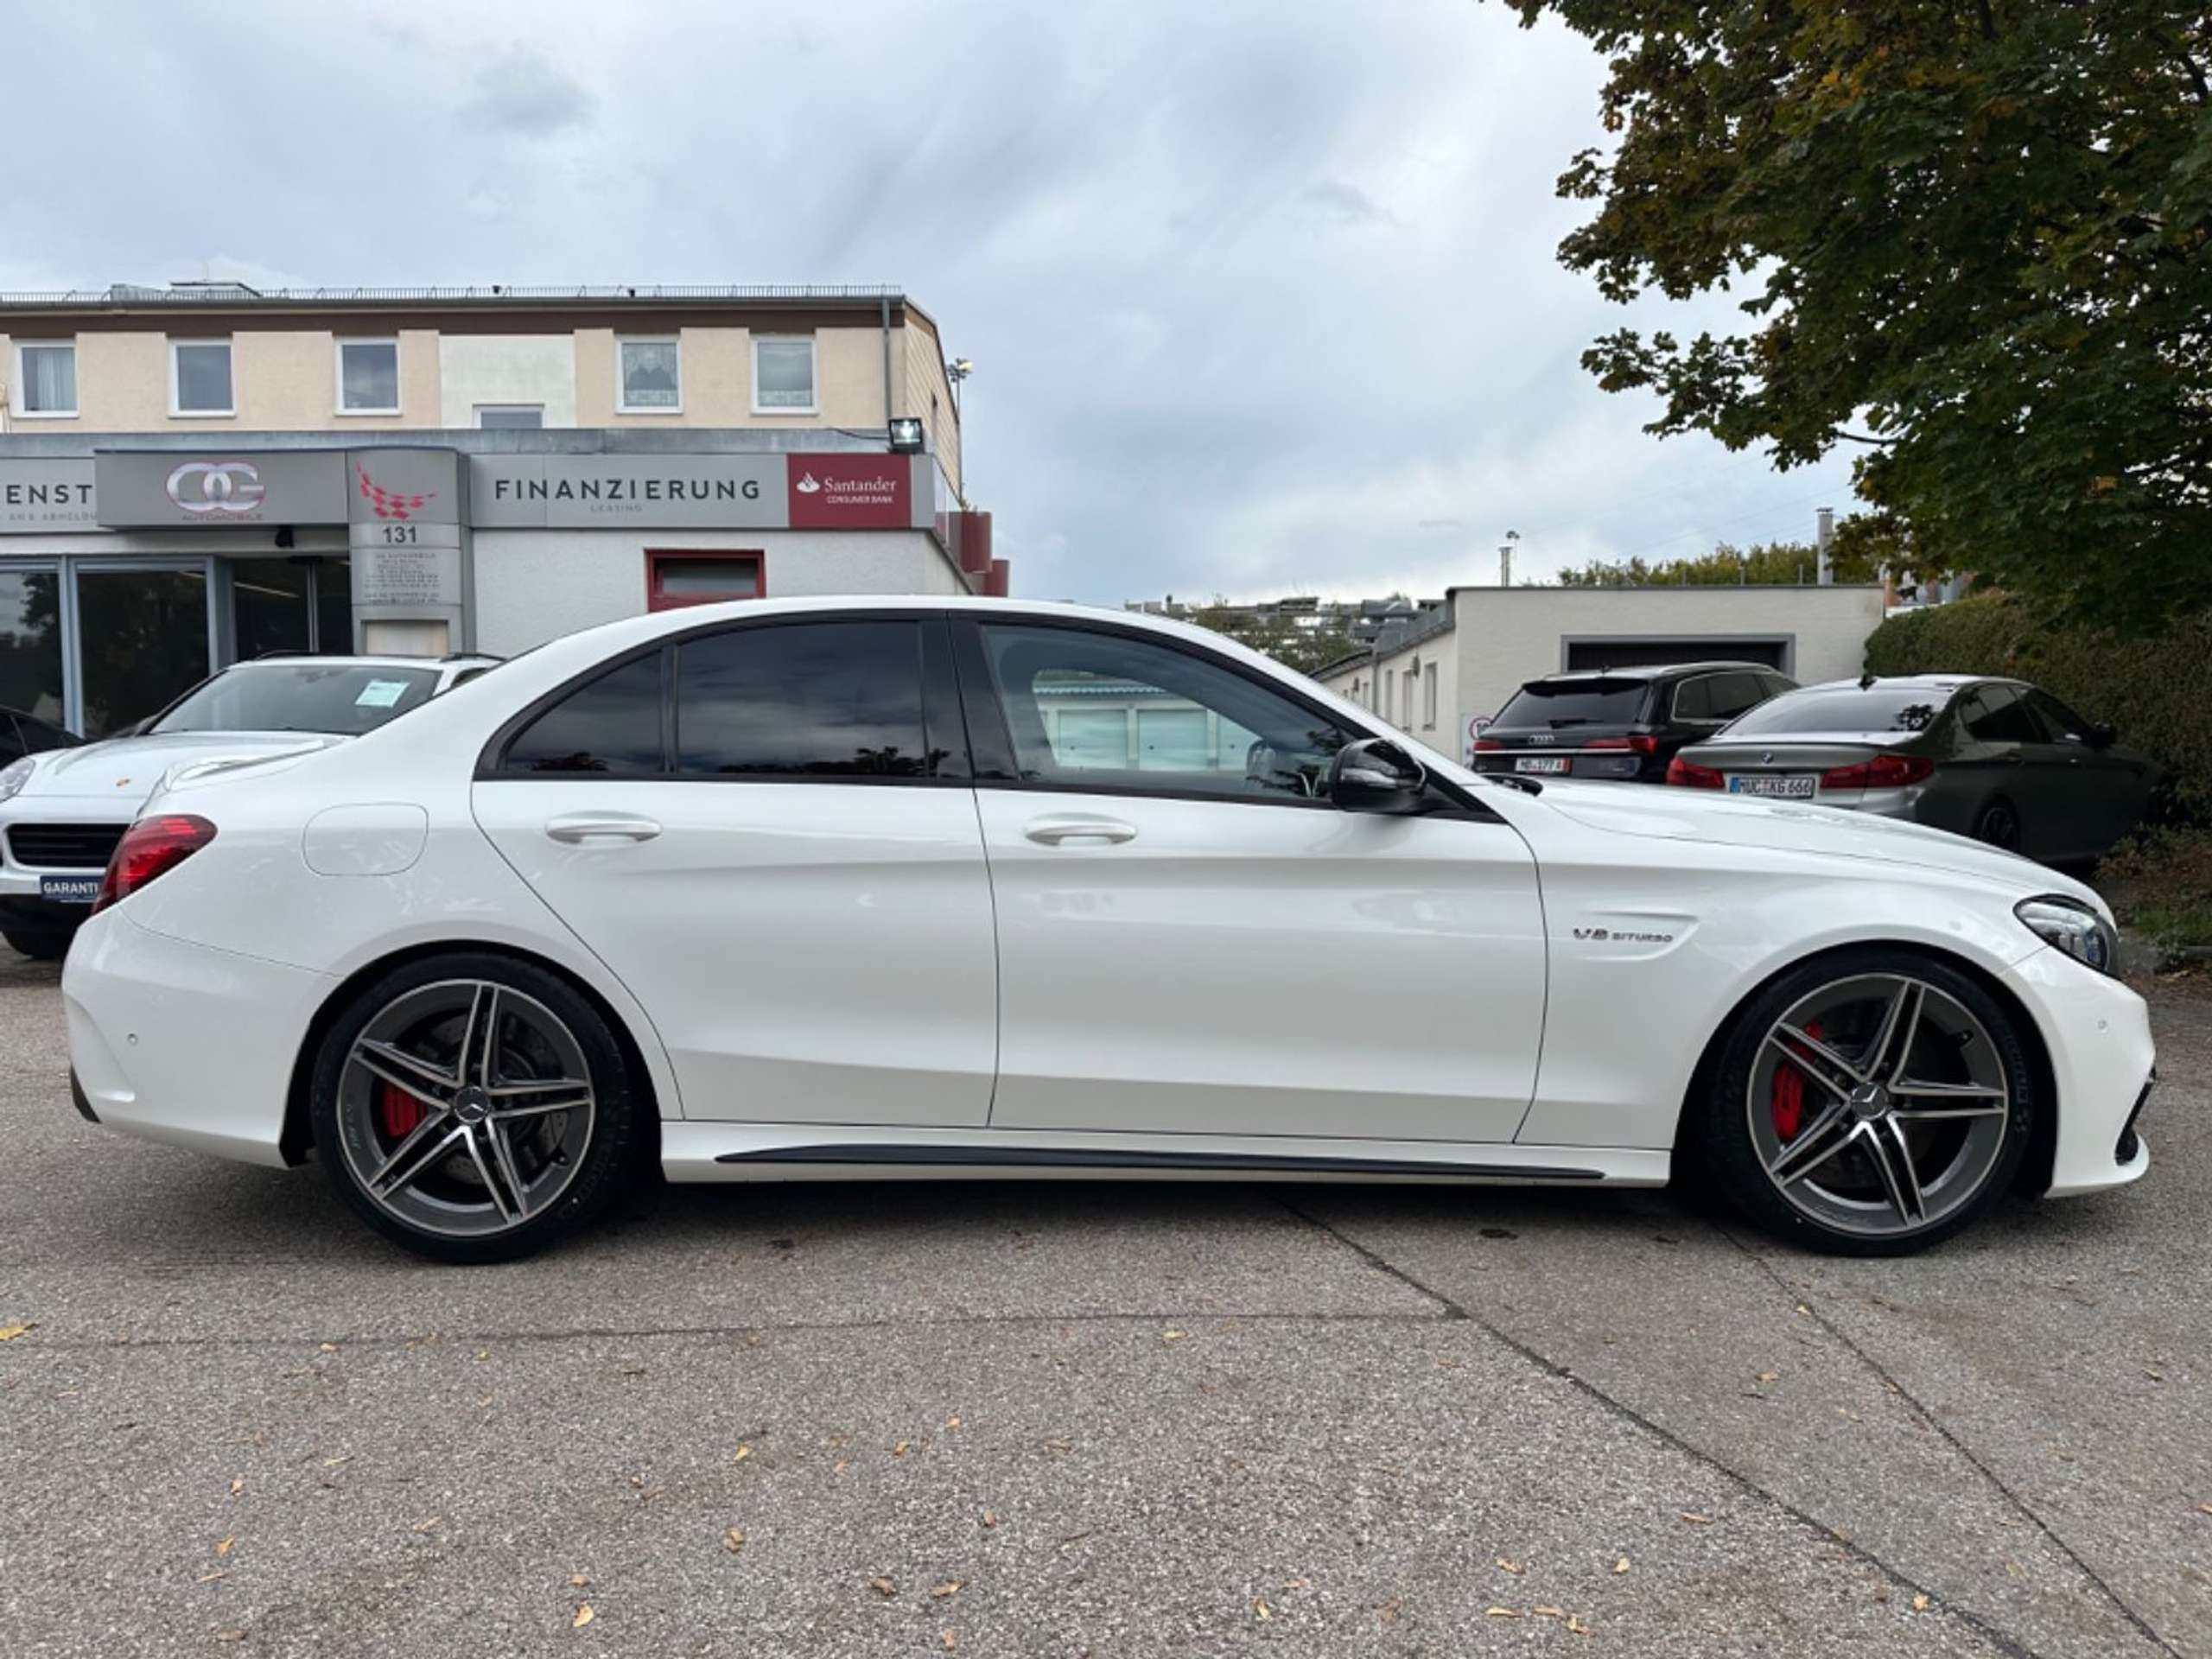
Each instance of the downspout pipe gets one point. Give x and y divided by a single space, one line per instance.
886 301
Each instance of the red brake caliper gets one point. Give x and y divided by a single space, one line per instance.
1788 1101
399 1111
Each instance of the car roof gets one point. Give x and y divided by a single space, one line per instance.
371 660
1913 683
1650 671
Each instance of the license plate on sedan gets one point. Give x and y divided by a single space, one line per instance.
69 889
1789 786
1545 763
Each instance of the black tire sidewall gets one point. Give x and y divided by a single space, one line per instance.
609 1160
1719 1138
1981 824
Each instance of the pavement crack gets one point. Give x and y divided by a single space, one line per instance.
1377 1260
1927 1416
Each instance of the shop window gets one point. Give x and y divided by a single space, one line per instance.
30 643
145 640
510 417
46 379
783 376
271 608
809 700
690 577
609 727
199 378
650 375
368 377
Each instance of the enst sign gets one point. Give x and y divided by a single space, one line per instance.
46 495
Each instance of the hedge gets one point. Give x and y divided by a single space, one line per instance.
2156 692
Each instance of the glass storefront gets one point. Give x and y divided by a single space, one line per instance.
30 643
291 604
143 638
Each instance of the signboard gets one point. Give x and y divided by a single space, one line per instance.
38 495
406 577
213 488
404 486
738 491
851 492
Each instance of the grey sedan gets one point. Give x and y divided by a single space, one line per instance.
2001 760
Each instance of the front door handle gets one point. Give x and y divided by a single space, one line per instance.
1077 826
578 828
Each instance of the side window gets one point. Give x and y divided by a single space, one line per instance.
1106 710
12 747
1995 715
1694 698
2066 726
1735 694
803 700
609 727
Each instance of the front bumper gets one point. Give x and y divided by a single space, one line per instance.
184 1042
2097 1032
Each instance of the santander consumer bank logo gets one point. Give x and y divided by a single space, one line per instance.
850 491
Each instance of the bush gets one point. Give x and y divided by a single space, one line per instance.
2160 884
2157 692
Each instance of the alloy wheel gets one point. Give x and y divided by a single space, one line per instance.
1879 1105
465 1108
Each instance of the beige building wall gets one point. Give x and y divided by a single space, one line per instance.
281 380
924 391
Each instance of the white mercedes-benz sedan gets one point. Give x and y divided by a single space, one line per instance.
823 889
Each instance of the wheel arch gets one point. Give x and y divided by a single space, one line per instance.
297 1139
2036 1167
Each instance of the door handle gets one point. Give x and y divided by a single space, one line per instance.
577 828
1077 826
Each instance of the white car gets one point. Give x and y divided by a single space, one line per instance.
821 889
62 810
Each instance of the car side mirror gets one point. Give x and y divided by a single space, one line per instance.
1376 775
2102 736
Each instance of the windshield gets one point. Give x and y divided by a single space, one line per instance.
345 699
1878 708
1575 703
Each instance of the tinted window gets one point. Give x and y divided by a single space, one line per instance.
1824 709
2065 725
1694 698
1994 714
308 696
1099 708
1575 703
12 747
810 699
611 725
1734 693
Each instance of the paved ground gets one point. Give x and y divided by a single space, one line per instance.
1061 1419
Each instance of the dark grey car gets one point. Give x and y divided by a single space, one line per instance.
2001 760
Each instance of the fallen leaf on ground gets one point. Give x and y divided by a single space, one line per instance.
953 1421
424 1526
1296 1583
2205 1509
1261 1608
1695 1519
949 1639
1768 1376
1172 1336
1920 1603
1500 1612
1058 1444
238 1486
733 1541
1549 1612
1621 1566
329 1348
343 1457
224 1548
584 1616
883 1587
1511 1567
578 1580
1577 1625
990 1517
840 1467
1388 1613
230 1636
740 1454
210 1578
9 1332
950 1587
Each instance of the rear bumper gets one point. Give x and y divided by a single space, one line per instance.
2098 1034
182 1043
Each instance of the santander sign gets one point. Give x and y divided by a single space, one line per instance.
850 491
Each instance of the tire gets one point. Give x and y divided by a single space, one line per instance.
39 947
1822 1160
1998 824
474 1107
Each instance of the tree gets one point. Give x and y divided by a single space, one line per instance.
1279 637
1977 241
1726 565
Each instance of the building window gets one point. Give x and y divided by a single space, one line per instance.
368 377
783 376
1428 697
510 417
697 577
651 379
199 378
46 379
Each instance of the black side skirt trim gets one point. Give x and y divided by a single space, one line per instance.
77 1098
1088 1157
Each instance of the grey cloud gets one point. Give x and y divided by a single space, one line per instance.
522 91
1346 203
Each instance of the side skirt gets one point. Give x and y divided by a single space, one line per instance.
693 1151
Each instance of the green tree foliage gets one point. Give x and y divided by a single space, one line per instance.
1302 648
1726 565
1977 237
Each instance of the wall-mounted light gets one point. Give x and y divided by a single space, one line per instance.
905 434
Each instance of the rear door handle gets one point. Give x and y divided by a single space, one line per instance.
1077 826
577 828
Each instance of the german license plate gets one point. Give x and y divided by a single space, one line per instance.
1787 786
69 889
1545 763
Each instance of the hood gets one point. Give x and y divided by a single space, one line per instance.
128 769
1797 827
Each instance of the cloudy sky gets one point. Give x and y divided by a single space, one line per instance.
1260 298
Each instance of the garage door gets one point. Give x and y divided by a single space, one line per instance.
1648 653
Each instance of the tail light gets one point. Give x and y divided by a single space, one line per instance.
1641 743
1882 771
1690 774
150 847
1484 745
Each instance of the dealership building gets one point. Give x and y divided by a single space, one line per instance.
196 475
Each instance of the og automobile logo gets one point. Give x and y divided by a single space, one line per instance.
209 488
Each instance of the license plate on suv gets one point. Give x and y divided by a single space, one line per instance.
1787 786
69 889
1546 763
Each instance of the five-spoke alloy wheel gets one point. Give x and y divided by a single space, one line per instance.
473 1107
1870 1103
